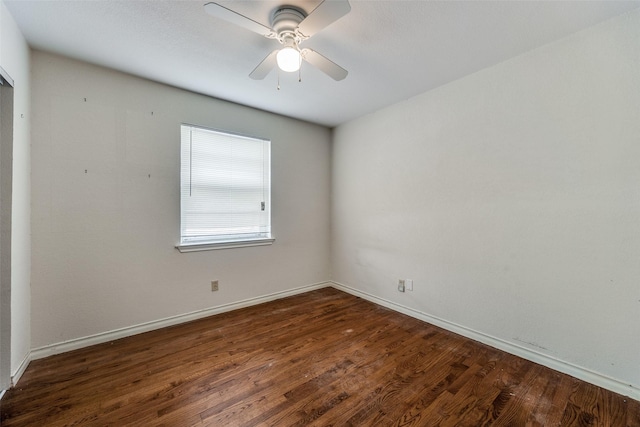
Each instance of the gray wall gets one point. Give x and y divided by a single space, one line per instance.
103 240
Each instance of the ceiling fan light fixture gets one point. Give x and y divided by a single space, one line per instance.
289 59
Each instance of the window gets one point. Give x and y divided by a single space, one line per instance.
225 190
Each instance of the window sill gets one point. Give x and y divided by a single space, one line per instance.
195 247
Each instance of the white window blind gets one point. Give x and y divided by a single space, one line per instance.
225 187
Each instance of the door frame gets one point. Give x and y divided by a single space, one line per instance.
6 185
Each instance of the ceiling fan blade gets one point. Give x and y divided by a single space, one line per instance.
323 64
322 16
263 68
221 12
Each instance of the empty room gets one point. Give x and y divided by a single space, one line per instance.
329 213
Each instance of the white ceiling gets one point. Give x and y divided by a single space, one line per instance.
393 50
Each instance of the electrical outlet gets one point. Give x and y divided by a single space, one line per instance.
401 285
214 285
408 284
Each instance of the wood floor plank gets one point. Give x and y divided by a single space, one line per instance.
324 358
633 412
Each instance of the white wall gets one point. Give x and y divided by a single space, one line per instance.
103 240
512 198
14 59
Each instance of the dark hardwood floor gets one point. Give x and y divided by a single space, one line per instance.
323 358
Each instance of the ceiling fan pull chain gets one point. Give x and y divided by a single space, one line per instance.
278 70
300 75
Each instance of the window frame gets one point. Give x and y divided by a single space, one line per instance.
204 245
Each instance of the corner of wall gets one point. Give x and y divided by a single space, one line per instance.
15 60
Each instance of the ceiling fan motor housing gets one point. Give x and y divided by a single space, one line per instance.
285 21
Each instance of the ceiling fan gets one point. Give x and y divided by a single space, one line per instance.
290 26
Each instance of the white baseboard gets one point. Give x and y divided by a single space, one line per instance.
74 344
16 376
23 367
575 371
